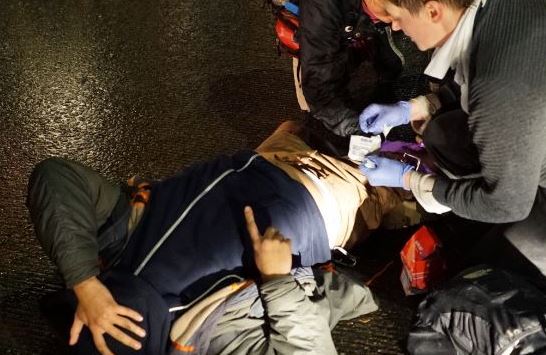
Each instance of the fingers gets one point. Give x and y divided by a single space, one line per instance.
370 119
75 330
100 344
369 163
120 336
127 324
273 233
251 226
128 312
255 236
371 111
369 115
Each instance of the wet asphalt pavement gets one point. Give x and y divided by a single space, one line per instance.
143 87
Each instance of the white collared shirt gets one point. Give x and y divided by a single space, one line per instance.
455 52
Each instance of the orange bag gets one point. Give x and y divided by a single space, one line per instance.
422 263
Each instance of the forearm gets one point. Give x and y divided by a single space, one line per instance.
324 66
295 325
291 323
286 326
68 202
471 198
324 88
476 200
507 126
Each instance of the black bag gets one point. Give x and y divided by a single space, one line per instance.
481 311
357 32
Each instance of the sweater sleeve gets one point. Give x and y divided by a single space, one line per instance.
509 133
301 324
324 63
288 323
296 318
507 117
68 203
295 327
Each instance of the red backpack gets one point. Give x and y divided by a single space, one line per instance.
286 28
423 265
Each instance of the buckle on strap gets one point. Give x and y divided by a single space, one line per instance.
343 257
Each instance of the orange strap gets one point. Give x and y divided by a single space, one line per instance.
183 348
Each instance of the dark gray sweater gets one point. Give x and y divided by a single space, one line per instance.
507 104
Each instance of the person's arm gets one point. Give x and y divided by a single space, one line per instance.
297 316
324 63
292 322
509 131
68 203
301 324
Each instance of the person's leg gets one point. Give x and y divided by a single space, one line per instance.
528 237
69 203
448 141
73 181
520 246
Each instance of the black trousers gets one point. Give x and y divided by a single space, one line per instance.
519 246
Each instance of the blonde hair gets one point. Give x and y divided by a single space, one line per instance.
413 6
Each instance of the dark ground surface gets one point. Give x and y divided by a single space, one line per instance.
148 87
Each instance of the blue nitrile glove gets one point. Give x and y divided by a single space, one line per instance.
375 117
387 172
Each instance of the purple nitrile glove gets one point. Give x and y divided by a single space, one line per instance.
387 172
375 117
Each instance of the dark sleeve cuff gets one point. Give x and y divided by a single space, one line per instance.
338 120
276 289
439 190
80 273
272 284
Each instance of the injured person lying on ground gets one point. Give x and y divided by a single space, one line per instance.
173 266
